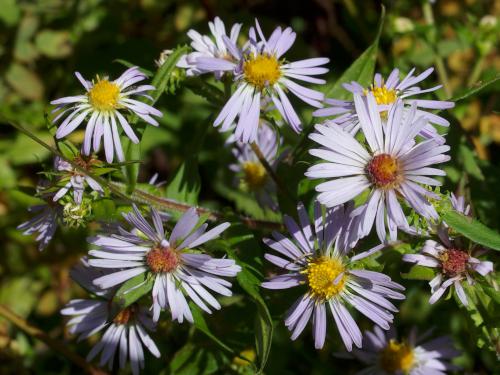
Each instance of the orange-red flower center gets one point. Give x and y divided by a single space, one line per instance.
454 261
383 170
162 259
124 316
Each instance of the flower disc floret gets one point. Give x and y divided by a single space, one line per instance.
163 259
104 95
125 315
397 357
384 95
255 175
383 171
454 262
262 70
326 277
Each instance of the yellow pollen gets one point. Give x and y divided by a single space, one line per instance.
163 259
255 175
322 274
261 70
383 95
397 357
104 95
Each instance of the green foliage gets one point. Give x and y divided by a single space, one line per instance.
472 229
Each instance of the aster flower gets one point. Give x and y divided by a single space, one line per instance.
209 46
454 262
45 221
391 166
385 355
314 257
386 94
260 71
177 270
125 333
253 175
74 179
104 104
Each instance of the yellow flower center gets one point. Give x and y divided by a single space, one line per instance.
323 277
397 357
383 95
261 70
383 171
104 95
255 175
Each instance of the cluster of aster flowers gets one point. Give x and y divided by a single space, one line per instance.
378 158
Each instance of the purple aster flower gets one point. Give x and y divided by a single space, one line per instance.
206 46
459 205
103 104
45 222
454 262
177 270
253 177
386 355
125 333
74 179
386 94
314 257
260 71
390 165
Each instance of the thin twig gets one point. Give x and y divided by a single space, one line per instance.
270 171
54 344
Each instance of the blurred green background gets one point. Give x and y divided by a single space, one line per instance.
43 42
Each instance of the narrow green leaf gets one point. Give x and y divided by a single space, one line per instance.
160 82
474 90
419 273
263 321
469 161
132 290
201 324
185 186
472 229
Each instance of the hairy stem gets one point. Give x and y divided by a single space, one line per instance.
54 344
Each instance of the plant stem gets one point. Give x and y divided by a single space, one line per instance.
140 197
476 71
440 67
270 171
54 344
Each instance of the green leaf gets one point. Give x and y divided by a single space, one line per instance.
201 324
160 82
361 70
191 359
162 76
470 162
263 321
474 90
185 186
53 43
128 64
419 273
472 229
131 291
